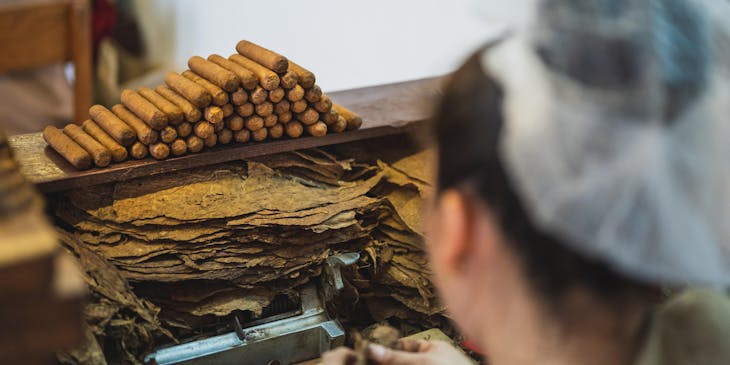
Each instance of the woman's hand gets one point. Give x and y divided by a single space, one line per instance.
414 352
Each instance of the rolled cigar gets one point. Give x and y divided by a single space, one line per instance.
269 59
318 129
168 134
203 129
213 114
324 105
299 106
66 147
211 140
265 109
119 153
268 79
294 129
285 117
145 133
190 90
295 94
191 111
227 110
234 123
258 95
259 134
195 144
247 78
306 78
217 127
270 120
313 94
245 110
144 109
282 107
178 147
276 131
242 136
214 73
173 112
353 120
254 123
329 117
308 117
159 151
219 95
184 130
277 95
100 154
225 136
112 125
239 97
138 150
339 125
289 79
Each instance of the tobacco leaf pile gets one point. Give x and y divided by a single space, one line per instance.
173 256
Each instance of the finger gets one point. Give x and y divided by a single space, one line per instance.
410 345
339 356
385 356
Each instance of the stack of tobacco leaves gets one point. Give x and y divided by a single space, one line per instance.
201 245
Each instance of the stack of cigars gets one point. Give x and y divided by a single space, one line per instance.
254 95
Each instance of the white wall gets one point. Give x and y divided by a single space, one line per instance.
345 43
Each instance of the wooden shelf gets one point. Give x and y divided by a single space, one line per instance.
386 110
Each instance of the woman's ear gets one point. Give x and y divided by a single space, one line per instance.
453 232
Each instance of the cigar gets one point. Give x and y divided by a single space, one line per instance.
324 105
138 150
168 134
259 134
270 120
145 133
329 117
66 147
112 125
178 147
245 110
159 151
184 129
242 136
306 78
339 125
313 94
225 136
234 123
191 112
265 109
277 95
119 153
144 109
318 129
214 73
195 144
285 117
289 79
247 78
299 106
308 117
100 154
219 95
227 110
294 129
295 94
190 90
173 112
258 95
276 131
268 79
203 129
267 58
254 123
353 120
211 140
217 127
213 114
239 97
282 107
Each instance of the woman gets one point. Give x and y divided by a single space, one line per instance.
582 164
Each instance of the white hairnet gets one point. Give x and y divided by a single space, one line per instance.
617 132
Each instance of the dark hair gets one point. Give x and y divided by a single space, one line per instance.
467 128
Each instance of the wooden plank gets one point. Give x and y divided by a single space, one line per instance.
386 110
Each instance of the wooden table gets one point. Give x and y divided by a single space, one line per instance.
386 110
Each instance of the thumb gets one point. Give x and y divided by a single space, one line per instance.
385 356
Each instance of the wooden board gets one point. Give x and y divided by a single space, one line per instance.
386 110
